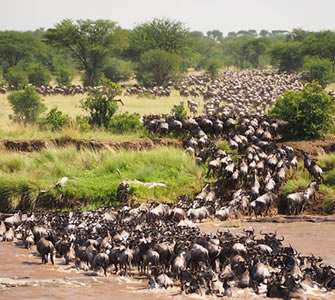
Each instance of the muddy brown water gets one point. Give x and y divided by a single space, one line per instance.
22 276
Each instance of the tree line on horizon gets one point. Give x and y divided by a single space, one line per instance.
156 52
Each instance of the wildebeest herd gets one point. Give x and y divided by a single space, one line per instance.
163 242
249 181
170 251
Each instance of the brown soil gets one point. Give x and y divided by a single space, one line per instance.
38 145
314 147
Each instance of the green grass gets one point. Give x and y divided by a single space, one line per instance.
27 180
301 179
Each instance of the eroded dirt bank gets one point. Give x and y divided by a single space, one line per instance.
134 145
23 277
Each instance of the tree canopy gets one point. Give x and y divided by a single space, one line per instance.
89 43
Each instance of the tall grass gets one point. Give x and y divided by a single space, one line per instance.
28 180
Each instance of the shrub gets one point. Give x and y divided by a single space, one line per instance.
309 113
38 75
101 105
318 69
328 206
55 120
212 67
179 111
118 70
64 76
82 123
158 67
125 122
27 105
16 77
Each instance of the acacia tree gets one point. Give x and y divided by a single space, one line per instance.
160 34
89 42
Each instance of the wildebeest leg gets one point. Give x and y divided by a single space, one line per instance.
52 258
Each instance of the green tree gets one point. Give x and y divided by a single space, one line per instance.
158 67
318 69
160 34
21 47
213 67
16 77
320 44
64 76
216 35
89 42
27 105
253 50
101 105
118 70
309 113
38 75
288 56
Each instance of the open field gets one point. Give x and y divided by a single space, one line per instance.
94 177
71 105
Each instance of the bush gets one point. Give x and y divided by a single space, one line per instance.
125 122
38 75
118 70
55 120
309 113
27 105
328 206
212 67
101 105
64 76
179 111
16 77
158 67
82 123
318 69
